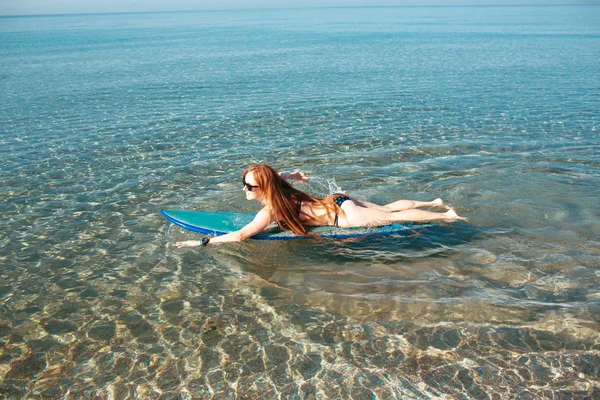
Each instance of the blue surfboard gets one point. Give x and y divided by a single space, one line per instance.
220 223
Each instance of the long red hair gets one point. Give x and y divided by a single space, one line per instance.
282 198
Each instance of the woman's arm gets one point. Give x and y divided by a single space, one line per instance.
260 222
297 176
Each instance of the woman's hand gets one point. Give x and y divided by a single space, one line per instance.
187 243
295 176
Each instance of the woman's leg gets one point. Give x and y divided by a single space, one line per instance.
402 205
357 216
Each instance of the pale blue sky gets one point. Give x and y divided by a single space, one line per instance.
23 7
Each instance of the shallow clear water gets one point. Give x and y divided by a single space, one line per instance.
106 119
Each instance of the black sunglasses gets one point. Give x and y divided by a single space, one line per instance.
248 186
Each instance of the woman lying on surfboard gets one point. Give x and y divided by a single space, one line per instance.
293 209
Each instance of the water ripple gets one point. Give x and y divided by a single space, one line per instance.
106 120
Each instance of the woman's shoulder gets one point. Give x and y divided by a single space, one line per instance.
264 214
266 210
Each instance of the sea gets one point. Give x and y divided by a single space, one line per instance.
105 119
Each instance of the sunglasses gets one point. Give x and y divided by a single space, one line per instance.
248 186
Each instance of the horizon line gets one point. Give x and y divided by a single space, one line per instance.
293 8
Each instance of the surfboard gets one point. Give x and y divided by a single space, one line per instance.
220 223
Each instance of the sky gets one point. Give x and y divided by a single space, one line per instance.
26 7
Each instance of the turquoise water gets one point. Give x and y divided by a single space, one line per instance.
106 119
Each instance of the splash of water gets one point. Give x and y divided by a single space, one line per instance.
324 186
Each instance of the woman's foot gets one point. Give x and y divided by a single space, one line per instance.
451 216
438 203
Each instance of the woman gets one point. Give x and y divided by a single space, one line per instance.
293 209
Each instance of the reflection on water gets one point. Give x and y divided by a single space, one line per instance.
442 314
103 126
460 310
